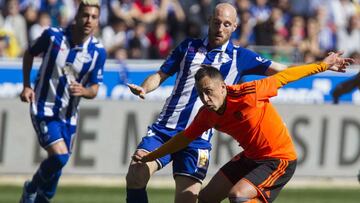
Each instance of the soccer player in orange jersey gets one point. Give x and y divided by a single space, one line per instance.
268 159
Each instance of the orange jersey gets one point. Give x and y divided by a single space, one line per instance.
251 119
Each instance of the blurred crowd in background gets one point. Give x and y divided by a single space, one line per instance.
283 30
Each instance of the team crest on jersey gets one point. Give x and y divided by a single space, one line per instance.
203 158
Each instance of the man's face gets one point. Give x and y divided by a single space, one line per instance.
88 19
222 24
212 92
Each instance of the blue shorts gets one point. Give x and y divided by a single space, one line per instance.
52 130
191 161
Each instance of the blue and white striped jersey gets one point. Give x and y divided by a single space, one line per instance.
183 103
86 62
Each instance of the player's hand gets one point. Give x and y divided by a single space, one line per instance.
27 95
77 89
140 158
137 90
336 62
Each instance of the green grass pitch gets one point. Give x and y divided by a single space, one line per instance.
82 194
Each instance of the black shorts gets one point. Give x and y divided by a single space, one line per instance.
268 176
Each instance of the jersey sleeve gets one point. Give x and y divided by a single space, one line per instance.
172 63
199 125
41 44
96 75
251 63
266 88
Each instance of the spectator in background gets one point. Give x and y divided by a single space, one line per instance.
24 4
242 6
327 36
308 57
297 31
68 11
43 23
120 56
160 41
265 30
145 11
311 41
348 38
306 8
54 8
197 13
244 34
173 14
114 36
285 7
121 9
31 15
138 43
15 23
341 11
260 11
9 46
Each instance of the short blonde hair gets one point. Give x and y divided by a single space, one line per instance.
94 3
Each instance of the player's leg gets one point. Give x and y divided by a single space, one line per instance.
68 133
216 190
137 178
51 138
48 171
189 168
139 174
243 191
187 189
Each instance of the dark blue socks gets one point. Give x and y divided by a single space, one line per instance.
136 195
47 176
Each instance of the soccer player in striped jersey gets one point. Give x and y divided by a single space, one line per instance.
72 67
183 104
244 112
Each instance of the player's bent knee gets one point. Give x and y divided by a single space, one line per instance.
60 160
137 176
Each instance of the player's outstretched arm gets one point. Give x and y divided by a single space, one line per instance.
176 143
150 83
333 62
